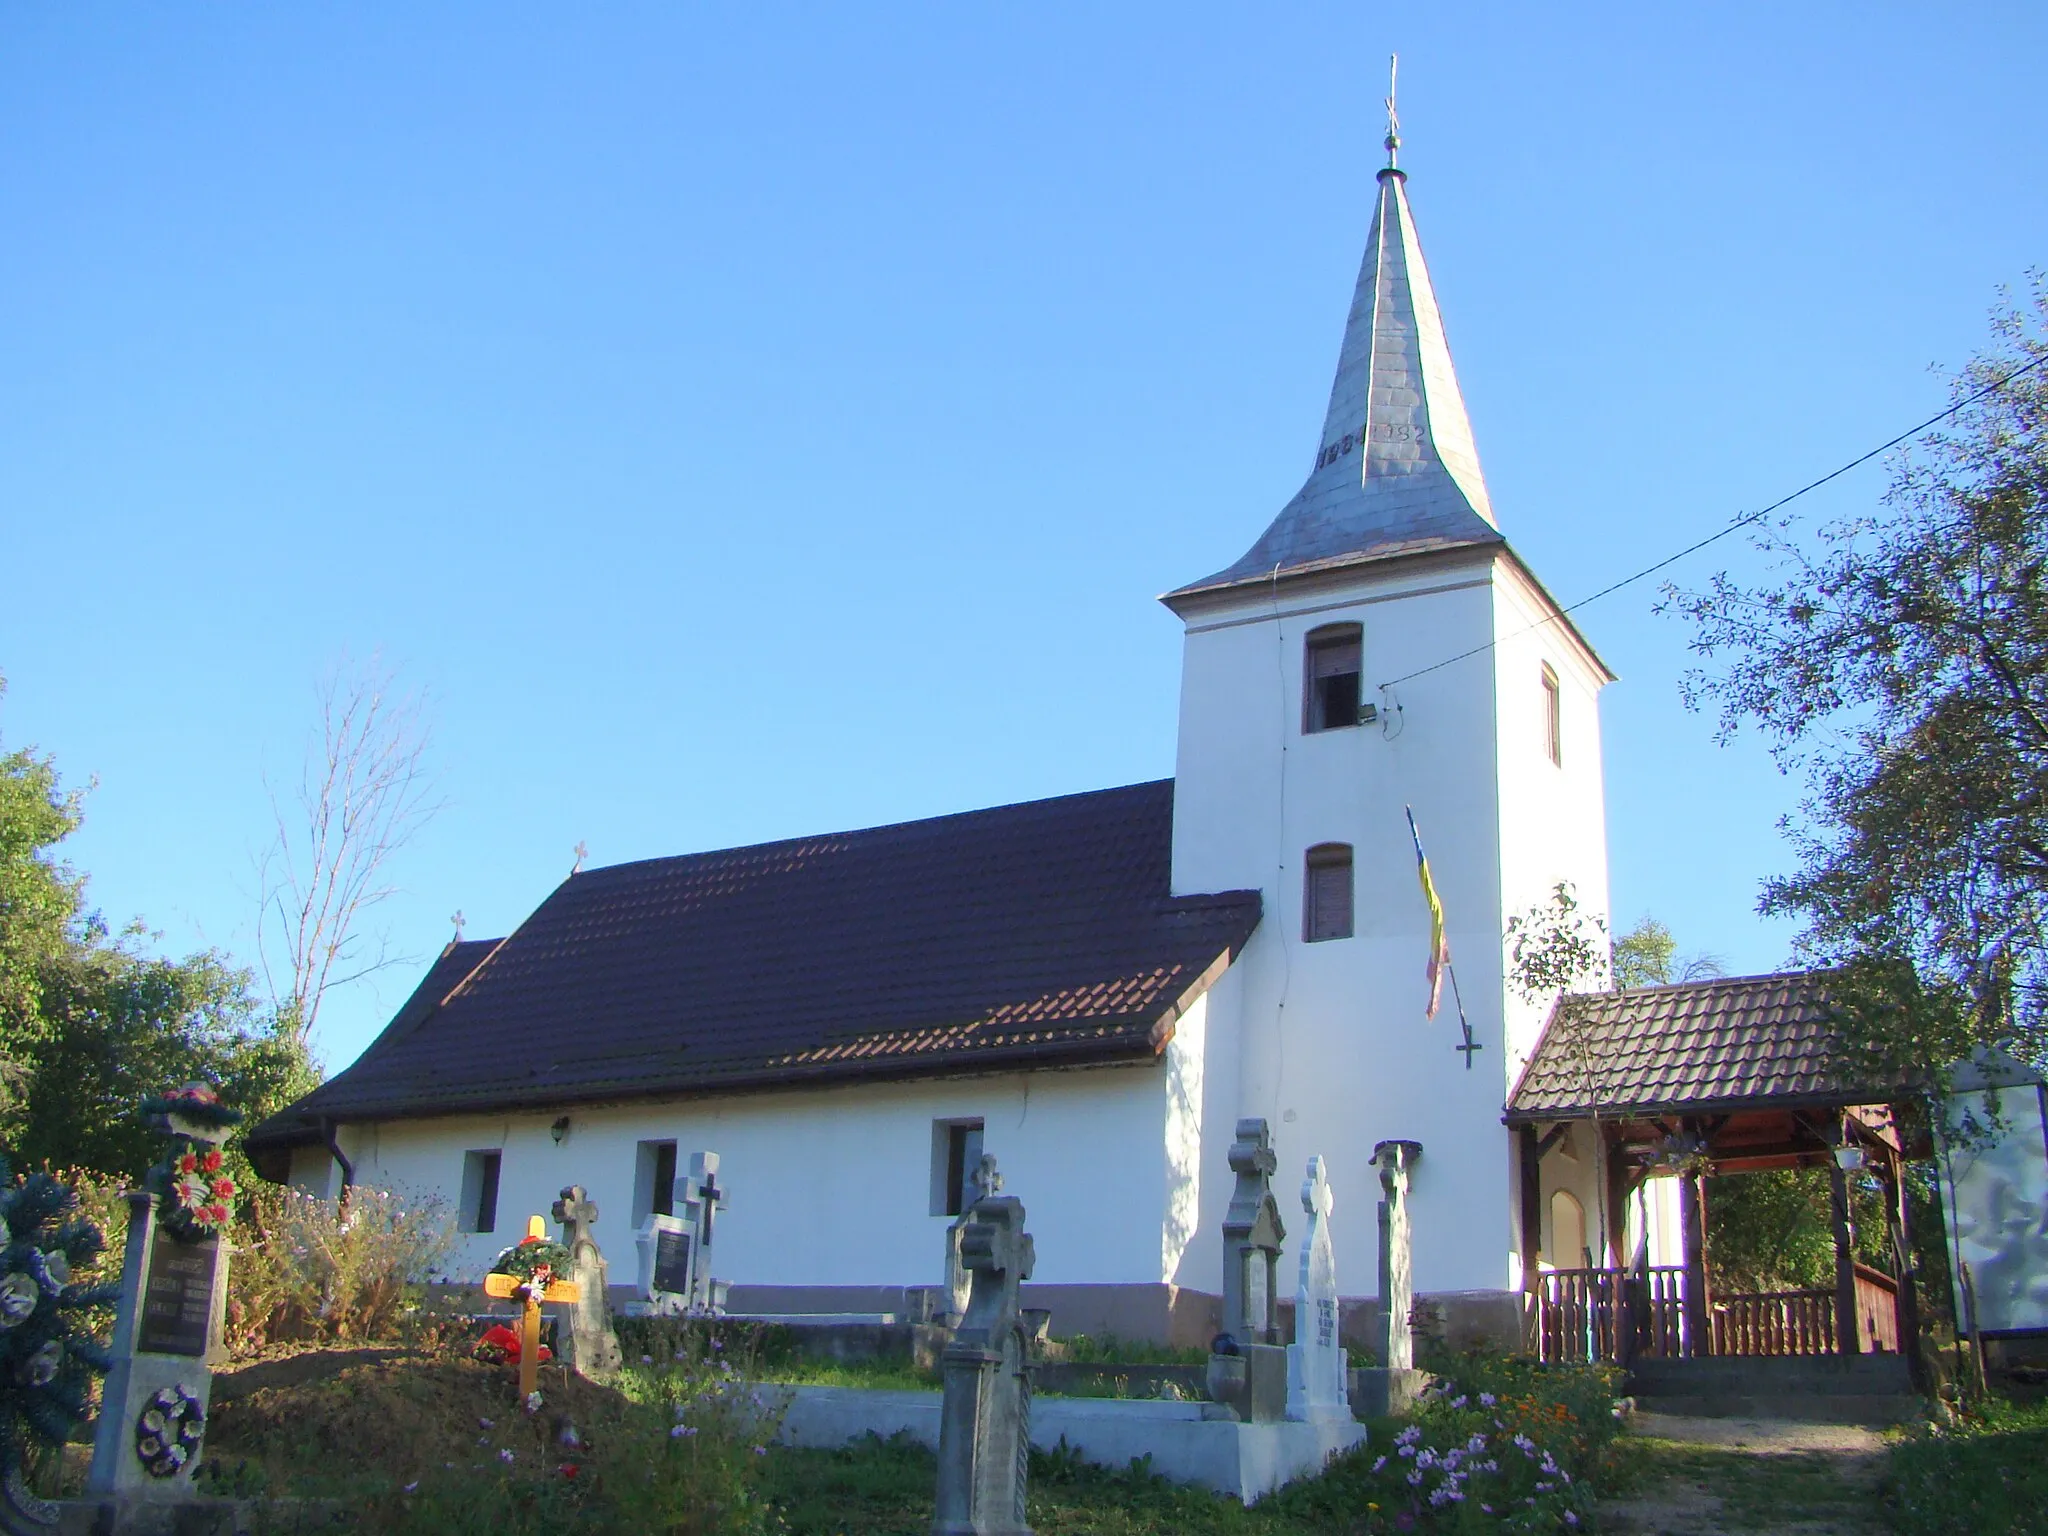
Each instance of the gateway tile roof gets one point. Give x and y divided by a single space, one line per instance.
1030 934
1735 1042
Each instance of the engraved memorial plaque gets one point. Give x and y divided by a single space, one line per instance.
1255 1310
177 1297
672 1261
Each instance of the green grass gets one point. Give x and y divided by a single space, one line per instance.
1988 1474
1756 1491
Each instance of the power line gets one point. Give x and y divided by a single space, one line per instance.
1741 522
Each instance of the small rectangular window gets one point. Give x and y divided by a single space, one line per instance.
1553 717
654 1181
956 1153
1330 678
1327 893
480 1191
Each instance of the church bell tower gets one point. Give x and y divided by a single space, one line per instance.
1381 647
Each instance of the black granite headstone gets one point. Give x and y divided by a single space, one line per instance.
672 1261
177 1297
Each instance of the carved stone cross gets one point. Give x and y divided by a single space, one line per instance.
577 1213
985 1419
985 1179
513 1288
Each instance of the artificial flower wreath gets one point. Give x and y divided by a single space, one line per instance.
536 1260
168 1431
196 1195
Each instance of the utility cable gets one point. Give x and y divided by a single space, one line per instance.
1744 521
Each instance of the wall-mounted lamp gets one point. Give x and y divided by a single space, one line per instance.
1849 1157
560 1130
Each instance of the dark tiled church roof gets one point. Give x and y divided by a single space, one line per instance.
1735 1042
1031 934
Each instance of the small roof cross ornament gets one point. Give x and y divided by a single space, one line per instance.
582 853
1393 139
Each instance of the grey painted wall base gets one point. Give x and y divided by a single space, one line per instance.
1246 1461
116 1515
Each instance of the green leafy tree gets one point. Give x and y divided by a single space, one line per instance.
90 1024
1647 956
1900 663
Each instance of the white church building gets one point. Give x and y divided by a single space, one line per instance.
1094 988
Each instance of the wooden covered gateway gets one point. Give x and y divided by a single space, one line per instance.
1732 1075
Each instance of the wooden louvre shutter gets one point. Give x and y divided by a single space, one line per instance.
1329 893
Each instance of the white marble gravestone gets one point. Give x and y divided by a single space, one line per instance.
1317 1366
667 1247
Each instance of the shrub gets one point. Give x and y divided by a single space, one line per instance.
311 1268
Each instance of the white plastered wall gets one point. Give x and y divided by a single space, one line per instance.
1335 1052
832 1186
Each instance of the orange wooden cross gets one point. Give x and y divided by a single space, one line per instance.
511 1288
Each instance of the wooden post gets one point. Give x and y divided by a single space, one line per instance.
1692 1214
1908 1301
1532 1209
1848 1327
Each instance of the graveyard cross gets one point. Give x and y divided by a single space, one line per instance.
985 1419
593 1350
1317 1368
985 1179
1397 1338
576 1213
1252 1235
514 1288
702 1201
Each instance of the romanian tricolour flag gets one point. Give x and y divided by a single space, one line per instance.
1439 945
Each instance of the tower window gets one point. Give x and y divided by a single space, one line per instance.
1331 678
1327 894
1553 717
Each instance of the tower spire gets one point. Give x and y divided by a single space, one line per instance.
1396 471
1393 140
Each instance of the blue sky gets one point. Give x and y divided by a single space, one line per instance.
762 420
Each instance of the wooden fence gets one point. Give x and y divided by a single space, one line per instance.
1609 1314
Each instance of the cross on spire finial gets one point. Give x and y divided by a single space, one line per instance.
1393 140
582 853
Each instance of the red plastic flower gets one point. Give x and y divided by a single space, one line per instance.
224 1189
570 1469
188 1164
210 1163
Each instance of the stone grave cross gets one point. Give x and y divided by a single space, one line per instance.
985 1420
987 1182
1318 1383
515 1288
1395 1159
591 1349
1252 1235
702 1202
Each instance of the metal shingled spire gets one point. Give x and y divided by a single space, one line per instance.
1396 470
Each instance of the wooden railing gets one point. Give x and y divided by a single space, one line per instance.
1877 1311
1609 1314
1774 1323
1583 1315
